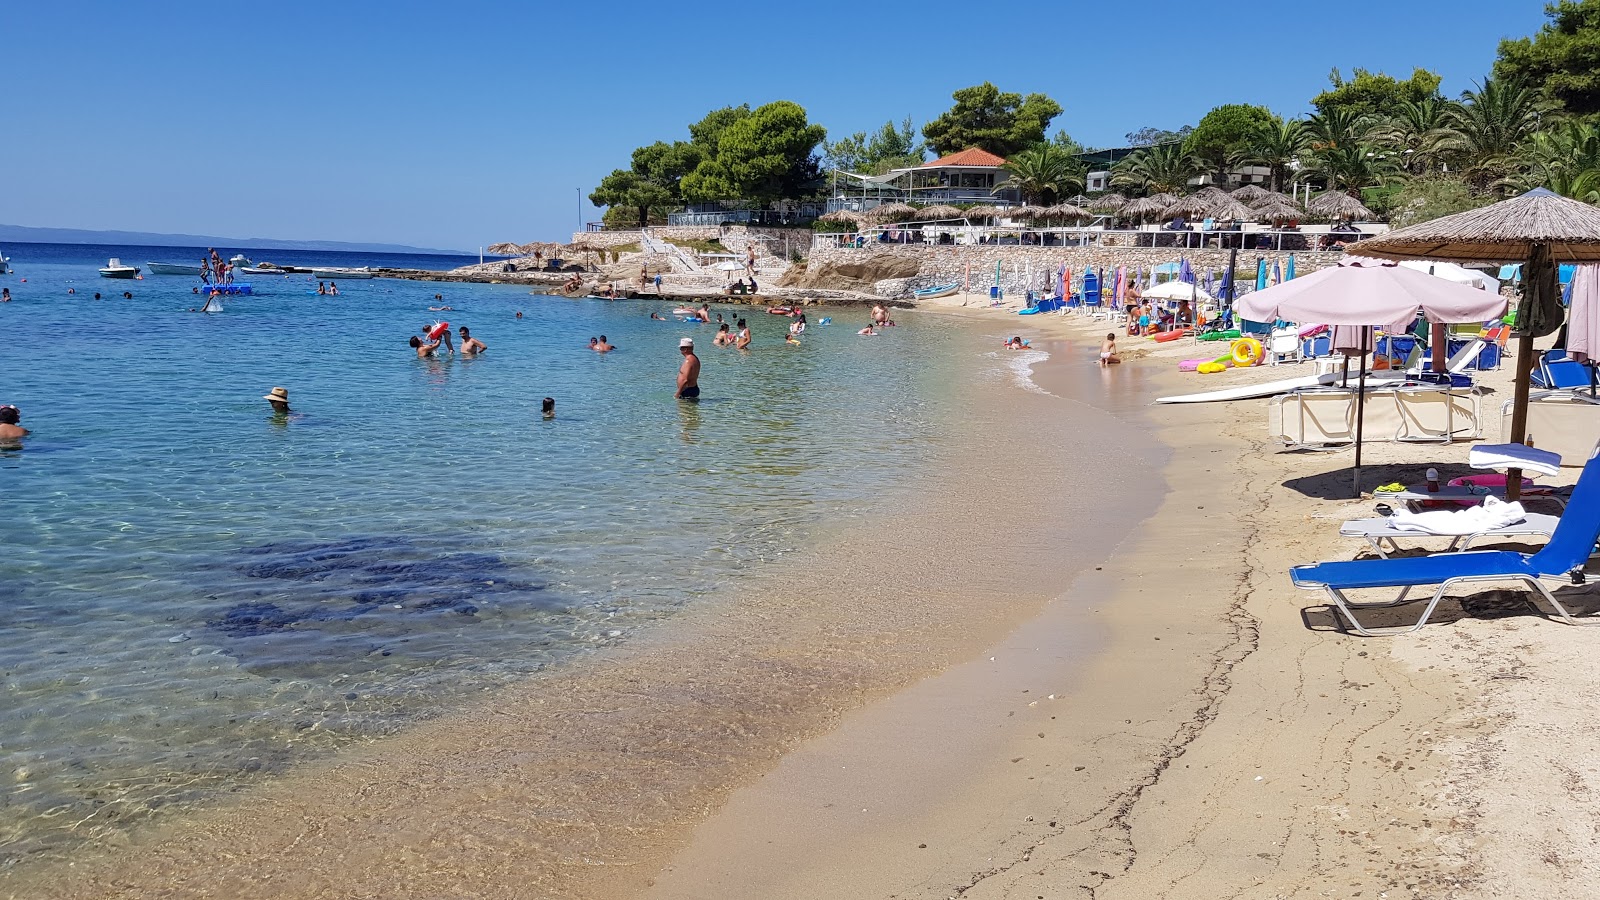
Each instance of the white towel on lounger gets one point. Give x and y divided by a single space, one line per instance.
1494 513
1514 456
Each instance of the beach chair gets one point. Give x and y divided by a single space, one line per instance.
1313 419
1563 375
1563 558
1381 533
1433 413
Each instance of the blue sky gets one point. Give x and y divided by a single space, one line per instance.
458 125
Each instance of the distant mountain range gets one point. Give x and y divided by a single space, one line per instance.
29 234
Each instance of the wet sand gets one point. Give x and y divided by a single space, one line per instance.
584 783
1225 741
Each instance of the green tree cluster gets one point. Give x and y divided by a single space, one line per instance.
1225 133
736 152
984 117
890 147
1563 58
1370 94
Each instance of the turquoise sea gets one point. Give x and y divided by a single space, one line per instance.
195 593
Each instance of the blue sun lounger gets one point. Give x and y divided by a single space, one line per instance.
1563 558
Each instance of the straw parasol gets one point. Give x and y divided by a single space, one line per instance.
1540 229
1274 197
842 215
938 211
1164 199
504 248
1143 207
1338 205
1191 207
1229 210
1066 211
891 212
1274 209
1025 213
1251 193
983 212
1108 203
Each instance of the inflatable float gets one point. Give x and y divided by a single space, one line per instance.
1173 335
781 310
438 329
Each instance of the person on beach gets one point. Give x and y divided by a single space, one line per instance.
1108 350
750 261
205 270
742 342
603 346
689 372
1016 343
424 349
10 431
278 398
753 289
724 337
574 283
470 346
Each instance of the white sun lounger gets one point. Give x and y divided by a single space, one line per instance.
1380 532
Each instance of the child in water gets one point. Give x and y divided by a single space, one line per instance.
1108 350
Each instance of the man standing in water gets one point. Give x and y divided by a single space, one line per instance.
689 372
11 432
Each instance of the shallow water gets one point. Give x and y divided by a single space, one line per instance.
195 591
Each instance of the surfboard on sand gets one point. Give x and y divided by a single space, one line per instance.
1263 389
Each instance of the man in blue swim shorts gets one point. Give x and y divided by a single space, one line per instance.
689 372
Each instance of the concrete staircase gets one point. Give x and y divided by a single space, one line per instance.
682 262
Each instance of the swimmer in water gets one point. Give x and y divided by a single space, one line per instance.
689 372
519 313
602 346
10 431
867 330
424 350
470 345
743 340
549 408
278 398
658 317
5 294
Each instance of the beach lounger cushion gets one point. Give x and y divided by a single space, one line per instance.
1567 552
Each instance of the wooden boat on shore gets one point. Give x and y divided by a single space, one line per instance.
155 268
348 274
115 269
938 290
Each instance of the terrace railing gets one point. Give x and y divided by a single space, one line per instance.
962 233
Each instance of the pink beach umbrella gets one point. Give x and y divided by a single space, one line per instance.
1583 318
1367 292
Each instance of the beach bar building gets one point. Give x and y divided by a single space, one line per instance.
972 175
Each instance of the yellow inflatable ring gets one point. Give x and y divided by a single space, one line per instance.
1246 352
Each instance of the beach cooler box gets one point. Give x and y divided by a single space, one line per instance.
994 292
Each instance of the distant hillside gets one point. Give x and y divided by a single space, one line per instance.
29 234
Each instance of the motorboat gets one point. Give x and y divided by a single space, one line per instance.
115 269
5 264
349 274
936 291
156 268
239 261
263 270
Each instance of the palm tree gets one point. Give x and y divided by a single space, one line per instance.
1043 174
1489 129
1416 129
1163 168
1349 167
1565 160
1276 146
1339 127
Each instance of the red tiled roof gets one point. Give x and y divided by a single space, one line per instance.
972 156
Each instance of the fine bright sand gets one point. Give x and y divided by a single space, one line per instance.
1045 678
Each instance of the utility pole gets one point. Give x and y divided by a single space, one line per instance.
580 207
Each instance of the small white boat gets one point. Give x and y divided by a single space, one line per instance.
156 268
259 270
115 269
239 261
337 273
5 264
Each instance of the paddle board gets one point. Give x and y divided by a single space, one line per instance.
1269 388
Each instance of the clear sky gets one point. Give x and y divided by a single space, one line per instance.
458 125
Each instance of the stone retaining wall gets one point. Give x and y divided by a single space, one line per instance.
974 265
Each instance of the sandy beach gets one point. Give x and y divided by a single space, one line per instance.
1072 667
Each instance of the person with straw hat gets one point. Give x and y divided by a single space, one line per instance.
279 398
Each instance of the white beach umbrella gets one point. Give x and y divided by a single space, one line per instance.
1177 290
1452 272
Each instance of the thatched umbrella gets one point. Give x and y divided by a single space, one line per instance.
504 248
1274 209
1068 212
891 212
1108 203
1539 229
1194 206
1231 210
983 212
939 211
1025 213
1271 197
1164 199
1144 207
842 215
1338 205
1250 193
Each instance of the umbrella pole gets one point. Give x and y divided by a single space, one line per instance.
1361 418
1519 410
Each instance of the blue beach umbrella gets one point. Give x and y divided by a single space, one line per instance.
1277 273
1289 274
1261 274
1185 271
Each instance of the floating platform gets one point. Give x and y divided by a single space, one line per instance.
227 290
